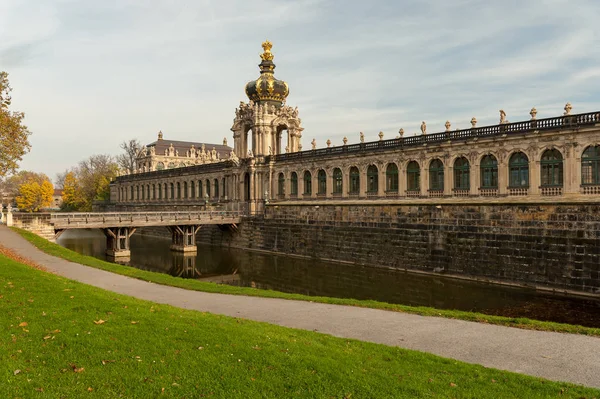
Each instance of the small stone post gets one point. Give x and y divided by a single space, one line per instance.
9 216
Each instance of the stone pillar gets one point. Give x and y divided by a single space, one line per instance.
117 241
315 182
402 178
345 182
448 179
362 183
571 170
381 181
474 179
252 194
503 177
424 178
184 238
534 176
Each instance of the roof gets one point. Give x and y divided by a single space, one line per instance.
182 146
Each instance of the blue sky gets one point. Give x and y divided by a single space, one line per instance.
90 74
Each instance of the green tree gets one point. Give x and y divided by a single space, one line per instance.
34 196
14 135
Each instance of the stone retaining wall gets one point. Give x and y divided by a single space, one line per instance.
554 246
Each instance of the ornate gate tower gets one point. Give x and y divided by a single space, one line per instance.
265 117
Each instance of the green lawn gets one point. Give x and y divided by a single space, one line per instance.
160 278
63 339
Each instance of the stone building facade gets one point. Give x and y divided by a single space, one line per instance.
514 202
557 158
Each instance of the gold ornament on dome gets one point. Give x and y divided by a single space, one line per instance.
267 55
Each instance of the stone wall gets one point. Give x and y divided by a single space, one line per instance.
544 245
38 223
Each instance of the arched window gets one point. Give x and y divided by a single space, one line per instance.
552 168
137 192
193 187
294 184
148 192
518 166
171 165
160 166
413 176
337 181
132 197
372 179
166 191
160 191
224 188
281 184
307 183
354 180
154 191
590 165
178 190
461 174
172 191
489 172
185 190
436 175
207 185
143 192
322 182
200 195
391 178
216 188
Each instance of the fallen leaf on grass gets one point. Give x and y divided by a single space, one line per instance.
452 384
99 321
105 362
134 322
40 389
47 337
16 372
23 324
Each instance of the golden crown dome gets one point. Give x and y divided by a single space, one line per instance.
267 89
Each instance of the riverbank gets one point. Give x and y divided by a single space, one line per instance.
87 343
56 250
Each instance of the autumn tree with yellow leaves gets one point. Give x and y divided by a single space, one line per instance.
14 135
34 195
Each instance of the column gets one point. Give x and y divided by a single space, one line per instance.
424 178
381 181
362 183
534 177
474 179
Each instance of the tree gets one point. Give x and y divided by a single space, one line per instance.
126 161
87 182
34 196
71 196
14 142
10 186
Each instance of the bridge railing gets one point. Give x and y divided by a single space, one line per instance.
82 218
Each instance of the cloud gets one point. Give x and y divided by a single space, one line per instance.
98 73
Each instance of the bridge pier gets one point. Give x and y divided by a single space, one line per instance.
184 238
117 241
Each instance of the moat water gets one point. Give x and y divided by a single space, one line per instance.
318 278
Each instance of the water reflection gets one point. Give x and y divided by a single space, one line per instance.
313 277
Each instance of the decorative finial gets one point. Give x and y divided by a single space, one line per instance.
160 135
533 113
380 136
267 55
448 125
568 109
345 140
473 122
502 117
225 141
328 143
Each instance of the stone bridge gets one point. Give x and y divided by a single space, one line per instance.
120 226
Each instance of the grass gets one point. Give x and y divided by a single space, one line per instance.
160 278
61 338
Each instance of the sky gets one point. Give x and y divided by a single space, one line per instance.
91 74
